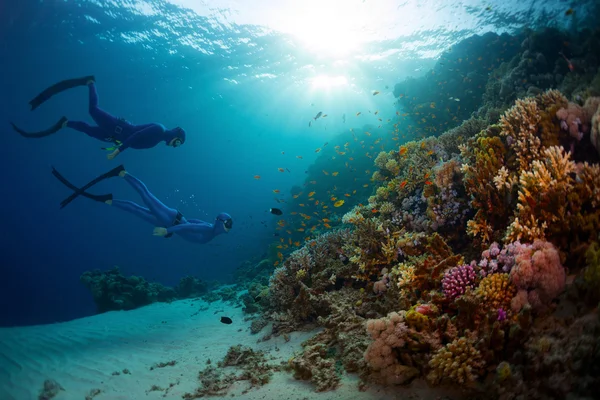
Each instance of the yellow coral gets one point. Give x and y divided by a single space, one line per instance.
301 274
386 208
458 361
416 320
382 193
496 291
404 273
381 159
392 167
591 273
520 123
543 191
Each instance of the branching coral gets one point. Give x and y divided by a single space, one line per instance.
426 257
456 280
495 259
458 361
542 200
484 157
519 126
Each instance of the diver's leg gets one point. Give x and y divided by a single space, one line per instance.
93 131
100 117
136 210
161 212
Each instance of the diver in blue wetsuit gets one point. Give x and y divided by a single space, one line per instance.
167 221
108 128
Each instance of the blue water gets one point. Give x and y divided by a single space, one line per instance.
243 78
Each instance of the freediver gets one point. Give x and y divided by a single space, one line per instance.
167 221
108 128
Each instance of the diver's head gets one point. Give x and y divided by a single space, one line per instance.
176 137
223 222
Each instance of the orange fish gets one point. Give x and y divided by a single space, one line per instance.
327 225
311 194
428 183
346 194
339 203
403 150
276 191
280 169
403 184
256 176
300 229
335 173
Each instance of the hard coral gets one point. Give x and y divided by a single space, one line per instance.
458 361
484 157
496 292
543 191
456 280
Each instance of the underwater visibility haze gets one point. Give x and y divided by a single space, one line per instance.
401 195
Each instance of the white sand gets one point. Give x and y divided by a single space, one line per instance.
82 355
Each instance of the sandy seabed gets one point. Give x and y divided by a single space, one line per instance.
90 354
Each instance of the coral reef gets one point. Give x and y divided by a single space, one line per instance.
453 265
254 370
113 291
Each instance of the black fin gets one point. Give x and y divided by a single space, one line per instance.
53 129
82 191
57 88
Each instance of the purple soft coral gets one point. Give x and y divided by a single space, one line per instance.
457 279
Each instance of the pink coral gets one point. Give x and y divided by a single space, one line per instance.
388 334
495 260
456 280
538 275
576 119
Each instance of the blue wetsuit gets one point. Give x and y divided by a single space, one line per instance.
158 214
111 129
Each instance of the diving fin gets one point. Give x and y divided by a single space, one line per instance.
58 88
82 191
53 129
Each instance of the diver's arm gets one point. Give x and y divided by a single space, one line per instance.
144 138
198 229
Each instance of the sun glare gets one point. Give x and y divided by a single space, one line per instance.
331 28
327 82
